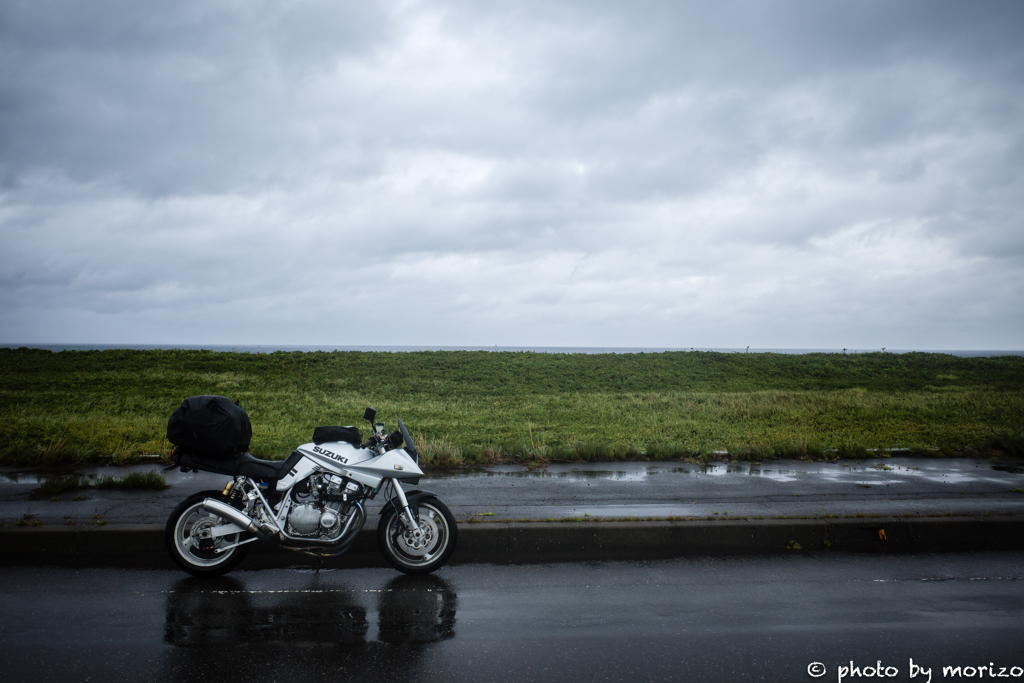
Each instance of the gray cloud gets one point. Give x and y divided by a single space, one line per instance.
780 174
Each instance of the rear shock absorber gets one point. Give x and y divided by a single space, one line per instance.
235 493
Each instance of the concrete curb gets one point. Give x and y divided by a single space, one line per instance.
142 545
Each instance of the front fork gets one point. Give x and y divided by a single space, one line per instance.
411 523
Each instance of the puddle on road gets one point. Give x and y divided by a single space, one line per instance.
630 472
717 470
953 477
21 478
871 472
36 476
550 473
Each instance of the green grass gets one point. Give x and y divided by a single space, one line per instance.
477 407
54 486
133 481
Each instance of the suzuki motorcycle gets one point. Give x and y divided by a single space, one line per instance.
313 502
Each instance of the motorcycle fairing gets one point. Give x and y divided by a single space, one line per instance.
302 469
359 464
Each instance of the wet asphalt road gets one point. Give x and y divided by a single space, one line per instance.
786 488
685 620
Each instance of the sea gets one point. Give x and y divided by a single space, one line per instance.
271 348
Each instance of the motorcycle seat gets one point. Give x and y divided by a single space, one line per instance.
251 466
244 464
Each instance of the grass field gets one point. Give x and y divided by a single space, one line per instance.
476 407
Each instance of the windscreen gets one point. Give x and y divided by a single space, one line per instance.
410 447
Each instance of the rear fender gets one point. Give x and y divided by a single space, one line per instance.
414 497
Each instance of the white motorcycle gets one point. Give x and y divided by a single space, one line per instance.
312 502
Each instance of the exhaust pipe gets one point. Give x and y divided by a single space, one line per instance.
270 534
236 517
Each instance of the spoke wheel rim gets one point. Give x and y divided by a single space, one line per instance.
192 521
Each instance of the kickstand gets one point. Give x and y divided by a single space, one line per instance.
319 563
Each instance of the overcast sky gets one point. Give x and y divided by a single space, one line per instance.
773 174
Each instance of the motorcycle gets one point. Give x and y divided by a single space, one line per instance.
313 502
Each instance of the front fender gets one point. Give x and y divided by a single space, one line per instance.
414 498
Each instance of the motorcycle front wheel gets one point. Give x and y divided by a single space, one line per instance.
199 556
410 554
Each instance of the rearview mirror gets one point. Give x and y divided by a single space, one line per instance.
369 414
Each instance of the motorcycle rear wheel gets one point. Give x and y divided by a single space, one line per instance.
181 538
418 556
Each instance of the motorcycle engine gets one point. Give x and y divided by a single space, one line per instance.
309 515
304 520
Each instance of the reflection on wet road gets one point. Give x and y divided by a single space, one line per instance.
207 612
227 630
695 619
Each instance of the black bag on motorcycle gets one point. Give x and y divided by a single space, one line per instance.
210 425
